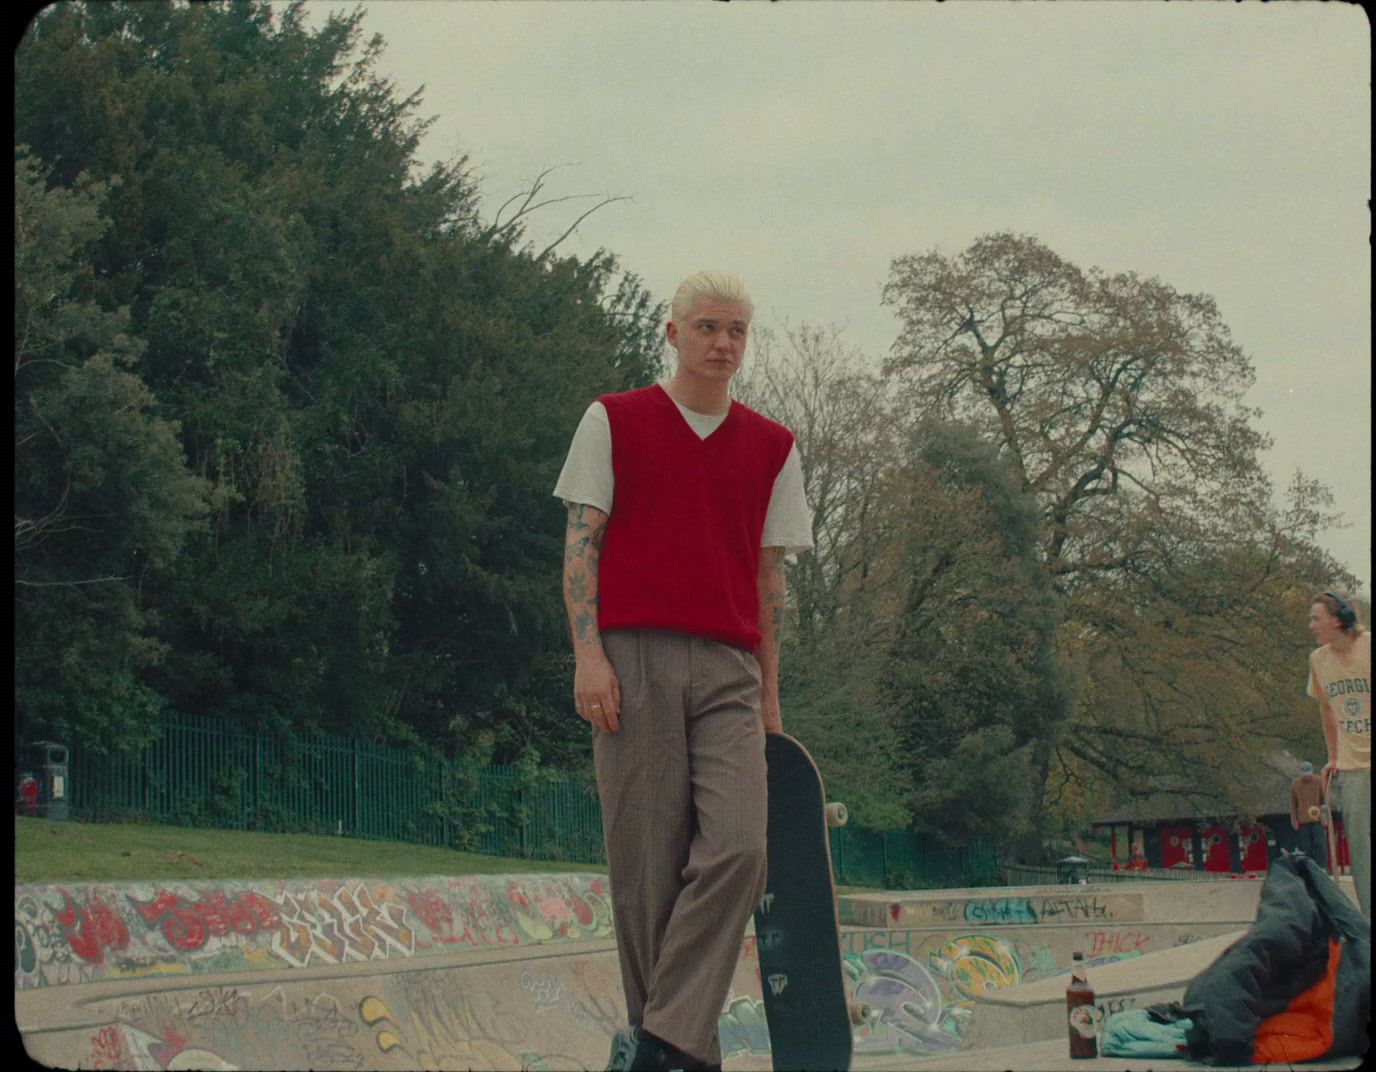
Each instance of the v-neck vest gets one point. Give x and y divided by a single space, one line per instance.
682 546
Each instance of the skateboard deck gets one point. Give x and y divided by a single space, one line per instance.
796 929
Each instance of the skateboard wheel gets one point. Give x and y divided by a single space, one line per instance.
860 1013
837 815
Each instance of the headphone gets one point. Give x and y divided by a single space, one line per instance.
1347 617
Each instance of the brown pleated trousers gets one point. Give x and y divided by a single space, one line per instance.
684 802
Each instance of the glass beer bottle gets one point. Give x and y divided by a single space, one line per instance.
1080 1011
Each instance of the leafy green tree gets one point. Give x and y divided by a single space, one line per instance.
377 387
104 503
978 689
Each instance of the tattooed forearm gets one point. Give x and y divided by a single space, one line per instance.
582 554
773 600
773 589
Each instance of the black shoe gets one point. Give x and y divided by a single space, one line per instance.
653 1054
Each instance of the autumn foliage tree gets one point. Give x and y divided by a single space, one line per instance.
1117 403
849 442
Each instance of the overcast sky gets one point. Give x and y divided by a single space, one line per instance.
1223 148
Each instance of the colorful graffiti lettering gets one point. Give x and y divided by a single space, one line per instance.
1084 907
120 1046
1006 910
350 925
91 928
107 1049
905 1003
861 941
1121 943
976 964
542 911
42 956
431 910
85 933
742 1028
439 1032
188 926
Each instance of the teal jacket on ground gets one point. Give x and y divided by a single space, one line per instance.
1135 1034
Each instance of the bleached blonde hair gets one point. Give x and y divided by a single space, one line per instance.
721 285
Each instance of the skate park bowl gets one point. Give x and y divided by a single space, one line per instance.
507 972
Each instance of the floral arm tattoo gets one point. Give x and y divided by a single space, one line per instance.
773 598
582 554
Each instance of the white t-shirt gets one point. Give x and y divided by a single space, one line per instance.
1344 683
587 478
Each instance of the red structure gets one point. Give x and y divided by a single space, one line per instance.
1190 828
1177 847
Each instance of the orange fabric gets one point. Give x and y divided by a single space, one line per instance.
1304 1030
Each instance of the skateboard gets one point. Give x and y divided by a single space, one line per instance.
797 934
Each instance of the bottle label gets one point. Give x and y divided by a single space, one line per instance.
1083 1020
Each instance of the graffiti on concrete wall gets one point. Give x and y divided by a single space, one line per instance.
119 1046
922 987
1021 911
187 925
84 933
1122 943
338 926
534 1014
516 1019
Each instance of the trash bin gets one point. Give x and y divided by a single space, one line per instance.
41 780
1072 871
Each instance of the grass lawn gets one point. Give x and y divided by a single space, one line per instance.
47 851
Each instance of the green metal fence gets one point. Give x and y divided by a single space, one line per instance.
1034 875
203 773
902 860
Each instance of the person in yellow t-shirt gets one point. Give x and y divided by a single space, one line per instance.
1340 679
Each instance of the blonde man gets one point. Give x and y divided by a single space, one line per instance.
1340 679
681 506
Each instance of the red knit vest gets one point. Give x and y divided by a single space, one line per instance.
682 547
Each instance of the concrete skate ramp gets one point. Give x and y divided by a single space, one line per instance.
929 961
540 1007
500 972
481 972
